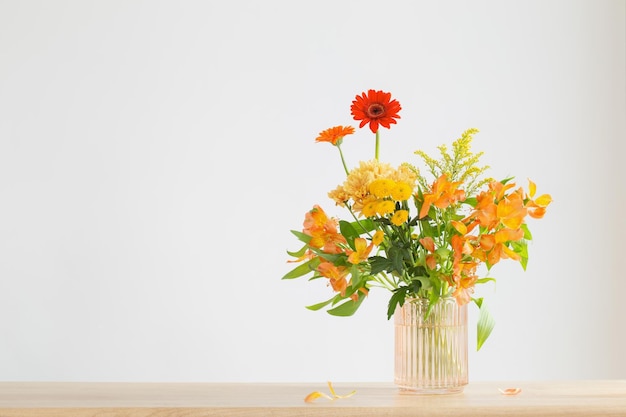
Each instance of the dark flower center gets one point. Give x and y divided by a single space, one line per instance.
375 110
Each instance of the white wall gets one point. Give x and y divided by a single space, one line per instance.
155 154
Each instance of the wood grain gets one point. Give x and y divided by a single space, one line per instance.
77 399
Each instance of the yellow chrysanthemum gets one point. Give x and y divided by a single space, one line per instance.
378 238
382 187
385 207
399 217
401 191
369 208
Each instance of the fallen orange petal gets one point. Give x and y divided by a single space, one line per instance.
314 396
510 391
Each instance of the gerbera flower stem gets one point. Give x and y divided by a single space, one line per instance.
343 161
377 144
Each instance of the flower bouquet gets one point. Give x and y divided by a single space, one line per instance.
420 233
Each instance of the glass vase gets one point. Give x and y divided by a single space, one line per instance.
431 351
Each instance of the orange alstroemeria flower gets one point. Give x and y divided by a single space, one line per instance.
363 250
335 134
511 211
443 194
463 273
485 212
376 108
335 274
464 289
323 231
491 248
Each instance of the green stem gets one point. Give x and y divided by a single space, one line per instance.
343 161
385 282
358 221
377 144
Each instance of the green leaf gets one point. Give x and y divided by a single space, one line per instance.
484 280
486 324
396 256
472 201
301 236
428 229
358 280
316 307
303 269
424 283
299 253
379 264
397 299
521 248
527 234
364 226
433 298
346 309
443 253
348 231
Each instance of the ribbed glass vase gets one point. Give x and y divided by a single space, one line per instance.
431 352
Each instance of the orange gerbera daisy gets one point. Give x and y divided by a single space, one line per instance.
335 134
375 108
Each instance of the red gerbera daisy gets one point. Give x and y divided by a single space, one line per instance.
375 108
334 134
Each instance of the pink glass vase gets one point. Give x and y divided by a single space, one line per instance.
431 352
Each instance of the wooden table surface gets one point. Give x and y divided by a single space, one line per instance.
78 399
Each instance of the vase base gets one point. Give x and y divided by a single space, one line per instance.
404 390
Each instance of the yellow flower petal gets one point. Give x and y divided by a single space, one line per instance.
532 188
334 394
543 200
317 394
460 227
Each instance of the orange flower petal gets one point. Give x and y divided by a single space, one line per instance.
510 391
335 134
537 213
506 235
314 396
431 262
428 243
